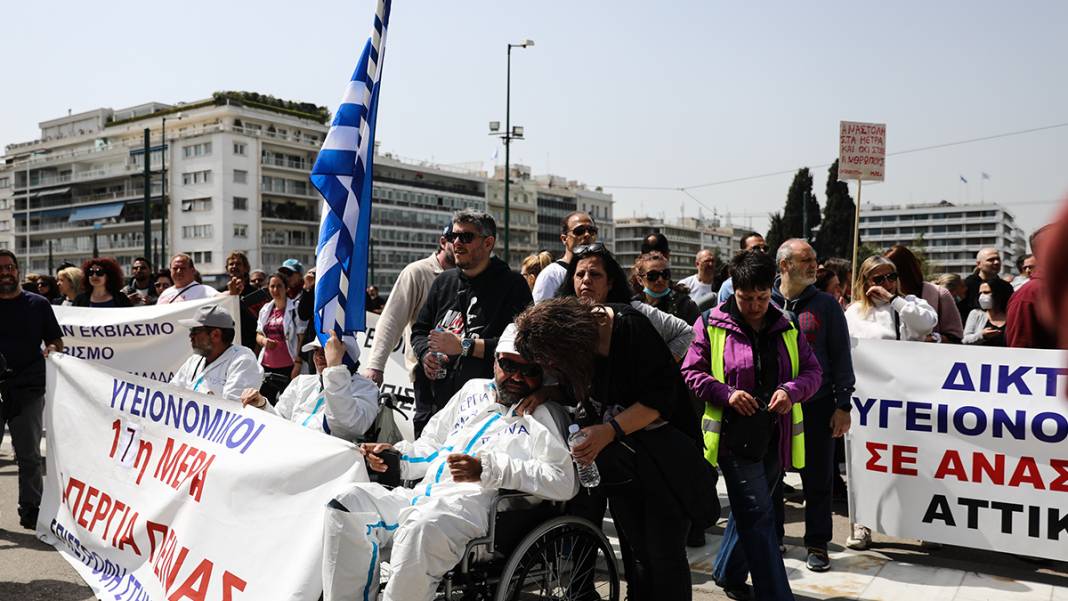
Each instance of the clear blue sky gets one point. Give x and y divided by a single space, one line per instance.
614 92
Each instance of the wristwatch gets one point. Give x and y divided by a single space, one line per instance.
467 345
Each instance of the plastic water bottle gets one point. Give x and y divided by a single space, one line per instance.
444 371
588 474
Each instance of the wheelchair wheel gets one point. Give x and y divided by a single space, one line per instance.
564 559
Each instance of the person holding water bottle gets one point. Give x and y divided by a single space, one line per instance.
639 430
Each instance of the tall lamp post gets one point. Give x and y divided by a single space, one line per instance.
507 136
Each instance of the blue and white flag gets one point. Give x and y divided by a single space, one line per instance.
342 174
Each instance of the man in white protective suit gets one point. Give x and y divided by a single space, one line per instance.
475 446
334 400
217 366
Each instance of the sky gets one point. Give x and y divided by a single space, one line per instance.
613 93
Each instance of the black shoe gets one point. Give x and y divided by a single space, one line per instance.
696 538
739 592
28 517
818 560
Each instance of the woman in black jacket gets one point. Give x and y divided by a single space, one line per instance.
102 284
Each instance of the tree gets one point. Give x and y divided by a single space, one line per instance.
799 199
776 235
835 238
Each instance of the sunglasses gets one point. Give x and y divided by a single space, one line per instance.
761 247
464 237
95 271
527 370
879 280
582 230
654 275
590 249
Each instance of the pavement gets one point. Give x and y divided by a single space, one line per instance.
893 569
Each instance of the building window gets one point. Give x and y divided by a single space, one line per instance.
190 178
5 182
240 203
5 225
200 256
240 148
240 230
196 150
190 205
197 231
240 176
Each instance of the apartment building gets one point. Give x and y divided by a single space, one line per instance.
685 241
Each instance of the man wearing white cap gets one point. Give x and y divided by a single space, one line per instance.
216 366
336 401
475 446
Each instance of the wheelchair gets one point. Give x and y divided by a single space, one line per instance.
534 550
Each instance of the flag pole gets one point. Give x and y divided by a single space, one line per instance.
856 237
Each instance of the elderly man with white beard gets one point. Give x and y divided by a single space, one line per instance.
820 319
475 446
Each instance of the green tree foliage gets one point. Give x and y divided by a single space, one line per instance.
835 238
776 235
798 199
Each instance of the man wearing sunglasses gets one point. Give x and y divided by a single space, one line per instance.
477 445
577 229
466 310
141 288
217 366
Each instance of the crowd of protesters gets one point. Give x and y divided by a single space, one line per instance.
672 381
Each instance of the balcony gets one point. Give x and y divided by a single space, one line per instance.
289 211
284 163
270 135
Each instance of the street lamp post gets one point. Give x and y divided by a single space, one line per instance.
507 137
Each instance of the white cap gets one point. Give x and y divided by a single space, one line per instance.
506 343
572 428
351 347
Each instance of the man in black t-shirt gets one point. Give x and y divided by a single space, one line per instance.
28 322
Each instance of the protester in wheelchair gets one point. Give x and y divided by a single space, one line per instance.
474 447
336 401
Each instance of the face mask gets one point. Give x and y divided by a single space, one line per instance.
666 292
986 301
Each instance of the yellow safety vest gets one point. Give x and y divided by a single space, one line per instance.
712 421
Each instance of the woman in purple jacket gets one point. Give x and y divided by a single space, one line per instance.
757 395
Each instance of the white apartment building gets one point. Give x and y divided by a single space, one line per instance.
522 211
951 234
721 237
237 170
412 202
599 205
684 241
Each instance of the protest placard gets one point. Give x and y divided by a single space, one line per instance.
969 451
153 492
861 151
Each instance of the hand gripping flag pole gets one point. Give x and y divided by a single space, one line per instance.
342 174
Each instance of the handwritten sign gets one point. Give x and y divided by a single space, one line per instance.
862 151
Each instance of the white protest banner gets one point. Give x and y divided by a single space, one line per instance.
395 378
961 445
862 151
146 341
153 492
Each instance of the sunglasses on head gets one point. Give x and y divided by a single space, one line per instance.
654 275
879 280
590 249
527 370
464 237
582 230
95 271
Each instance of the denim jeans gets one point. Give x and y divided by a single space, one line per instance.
750 544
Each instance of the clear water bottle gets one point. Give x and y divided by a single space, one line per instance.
588 474
444 371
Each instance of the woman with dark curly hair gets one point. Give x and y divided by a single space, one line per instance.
102 284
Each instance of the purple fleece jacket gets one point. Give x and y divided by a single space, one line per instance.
739 372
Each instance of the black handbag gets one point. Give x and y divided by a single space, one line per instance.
748 436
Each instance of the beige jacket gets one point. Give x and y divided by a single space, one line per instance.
405 300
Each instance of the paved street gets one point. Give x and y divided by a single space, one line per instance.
892 570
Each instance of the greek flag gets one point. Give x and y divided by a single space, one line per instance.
342 174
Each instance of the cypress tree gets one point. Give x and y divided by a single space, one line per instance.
835 238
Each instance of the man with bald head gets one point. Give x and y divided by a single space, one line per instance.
987 268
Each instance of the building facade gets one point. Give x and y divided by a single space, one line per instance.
522 211
412 202
949 235
236 180
599 205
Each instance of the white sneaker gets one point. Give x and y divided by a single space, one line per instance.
861 538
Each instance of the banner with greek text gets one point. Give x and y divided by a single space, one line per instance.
961 445
153 492
146 341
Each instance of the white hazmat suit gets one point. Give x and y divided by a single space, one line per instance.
342 405
429 526
227 376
